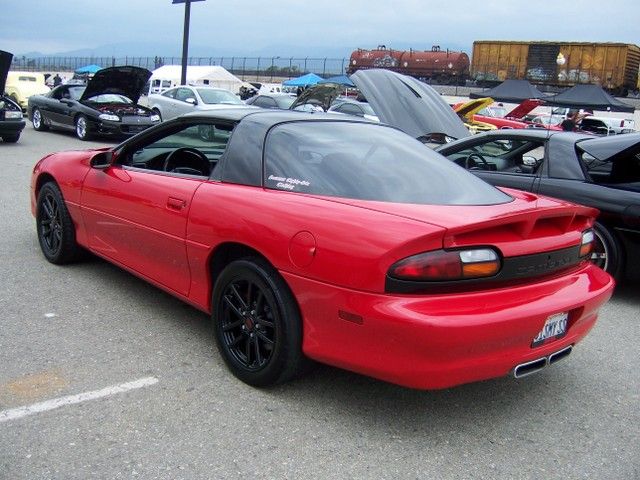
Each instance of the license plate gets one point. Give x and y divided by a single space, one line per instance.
554 327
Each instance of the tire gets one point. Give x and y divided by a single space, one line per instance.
607 252
82 128
10 138
56 232
257 323
38 121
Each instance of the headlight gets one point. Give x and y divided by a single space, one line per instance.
155 118
12 114
110 117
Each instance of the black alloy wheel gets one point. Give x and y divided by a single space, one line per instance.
56 232
257 324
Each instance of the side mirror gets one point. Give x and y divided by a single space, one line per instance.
191 101
101 160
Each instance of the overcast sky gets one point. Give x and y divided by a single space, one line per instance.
237 27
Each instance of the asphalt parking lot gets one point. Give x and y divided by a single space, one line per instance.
141 391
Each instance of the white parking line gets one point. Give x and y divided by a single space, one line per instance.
16 413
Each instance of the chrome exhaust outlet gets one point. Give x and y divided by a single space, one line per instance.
529 368
557 356
534 366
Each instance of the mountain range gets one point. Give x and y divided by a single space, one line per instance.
140 49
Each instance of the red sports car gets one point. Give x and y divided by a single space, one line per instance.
308 236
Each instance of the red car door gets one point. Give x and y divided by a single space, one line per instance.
138 218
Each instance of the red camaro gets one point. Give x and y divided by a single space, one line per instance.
308 236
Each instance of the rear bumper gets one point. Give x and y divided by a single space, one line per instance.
438 341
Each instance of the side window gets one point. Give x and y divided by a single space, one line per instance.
265 102
621 170
183 94
502 155
170 93
186 149
351 109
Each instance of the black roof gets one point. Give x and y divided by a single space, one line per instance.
513 91
588 96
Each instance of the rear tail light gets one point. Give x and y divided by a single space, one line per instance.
586 247
447 265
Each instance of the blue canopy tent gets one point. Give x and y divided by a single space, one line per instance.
88 69
303 81
340 80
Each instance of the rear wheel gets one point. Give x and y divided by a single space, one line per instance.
56 232
37 120
82 128
257 323
607 253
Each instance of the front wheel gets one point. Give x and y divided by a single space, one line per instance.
56 232
37 120
257 324
82 128
607 253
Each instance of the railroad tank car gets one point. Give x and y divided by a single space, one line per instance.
436 65
613 66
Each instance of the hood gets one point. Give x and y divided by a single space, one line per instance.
607 148
525 107
408 104
470 108
5 63
322 94
127 81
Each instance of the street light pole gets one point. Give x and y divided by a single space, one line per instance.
185 41
185 37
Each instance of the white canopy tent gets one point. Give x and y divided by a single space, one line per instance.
168 76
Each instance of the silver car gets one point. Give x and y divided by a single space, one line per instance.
184 99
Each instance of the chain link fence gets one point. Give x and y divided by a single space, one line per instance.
246 68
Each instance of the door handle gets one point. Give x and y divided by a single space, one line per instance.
176 203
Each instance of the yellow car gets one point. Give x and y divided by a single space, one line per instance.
21 85
467 110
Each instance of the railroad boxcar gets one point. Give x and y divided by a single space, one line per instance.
436 65
614 66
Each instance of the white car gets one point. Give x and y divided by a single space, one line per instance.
607 125
184 99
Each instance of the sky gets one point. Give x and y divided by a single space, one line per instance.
292 27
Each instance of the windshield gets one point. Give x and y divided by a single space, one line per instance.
211 96
367 162
109 98
285 101
76 92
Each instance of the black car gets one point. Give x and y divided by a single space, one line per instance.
106 105
601 172
280 101
11 121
